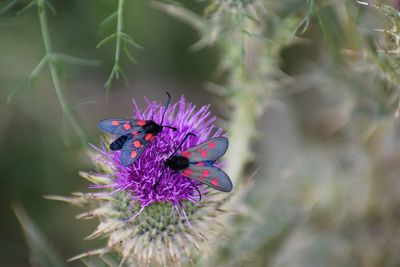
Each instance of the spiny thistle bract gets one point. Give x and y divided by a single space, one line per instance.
143 226
394 16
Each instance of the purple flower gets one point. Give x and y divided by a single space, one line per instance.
139 178
138 223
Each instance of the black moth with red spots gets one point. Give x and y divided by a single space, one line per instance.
198 163
134 135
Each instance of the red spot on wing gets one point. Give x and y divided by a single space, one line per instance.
203 152
204 175
200 163
211 145
115 123
214 181
127 126
133 154
149 137
186 154
141 122
137 144
187 172
134 133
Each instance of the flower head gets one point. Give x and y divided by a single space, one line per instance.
145 226
139 178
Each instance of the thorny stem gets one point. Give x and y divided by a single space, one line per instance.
241 132
246 103
54 73
255 79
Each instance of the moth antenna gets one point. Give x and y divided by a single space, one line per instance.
166 107
173 128
198 191
183 141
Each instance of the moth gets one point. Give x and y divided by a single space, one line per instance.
197 163
134 135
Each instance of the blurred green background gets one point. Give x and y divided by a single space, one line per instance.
34 159
327 192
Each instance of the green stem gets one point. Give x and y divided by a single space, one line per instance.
118 37
54 73
120 27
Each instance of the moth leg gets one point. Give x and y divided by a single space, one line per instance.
158 181
198 191
156 184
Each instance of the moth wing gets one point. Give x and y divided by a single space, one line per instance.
210 150
134 147
211 176
121 126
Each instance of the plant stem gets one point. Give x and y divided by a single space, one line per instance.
241 129
120 26
54 73
118 37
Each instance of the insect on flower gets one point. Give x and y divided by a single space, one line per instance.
198 163
134 135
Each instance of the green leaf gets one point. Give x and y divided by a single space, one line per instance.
30 80
14 91
75 60
50 6
26 8
105 40
128 54
129 40
7 6
115 74
42 253
108 19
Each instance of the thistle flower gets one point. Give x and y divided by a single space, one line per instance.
140 177
143 226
